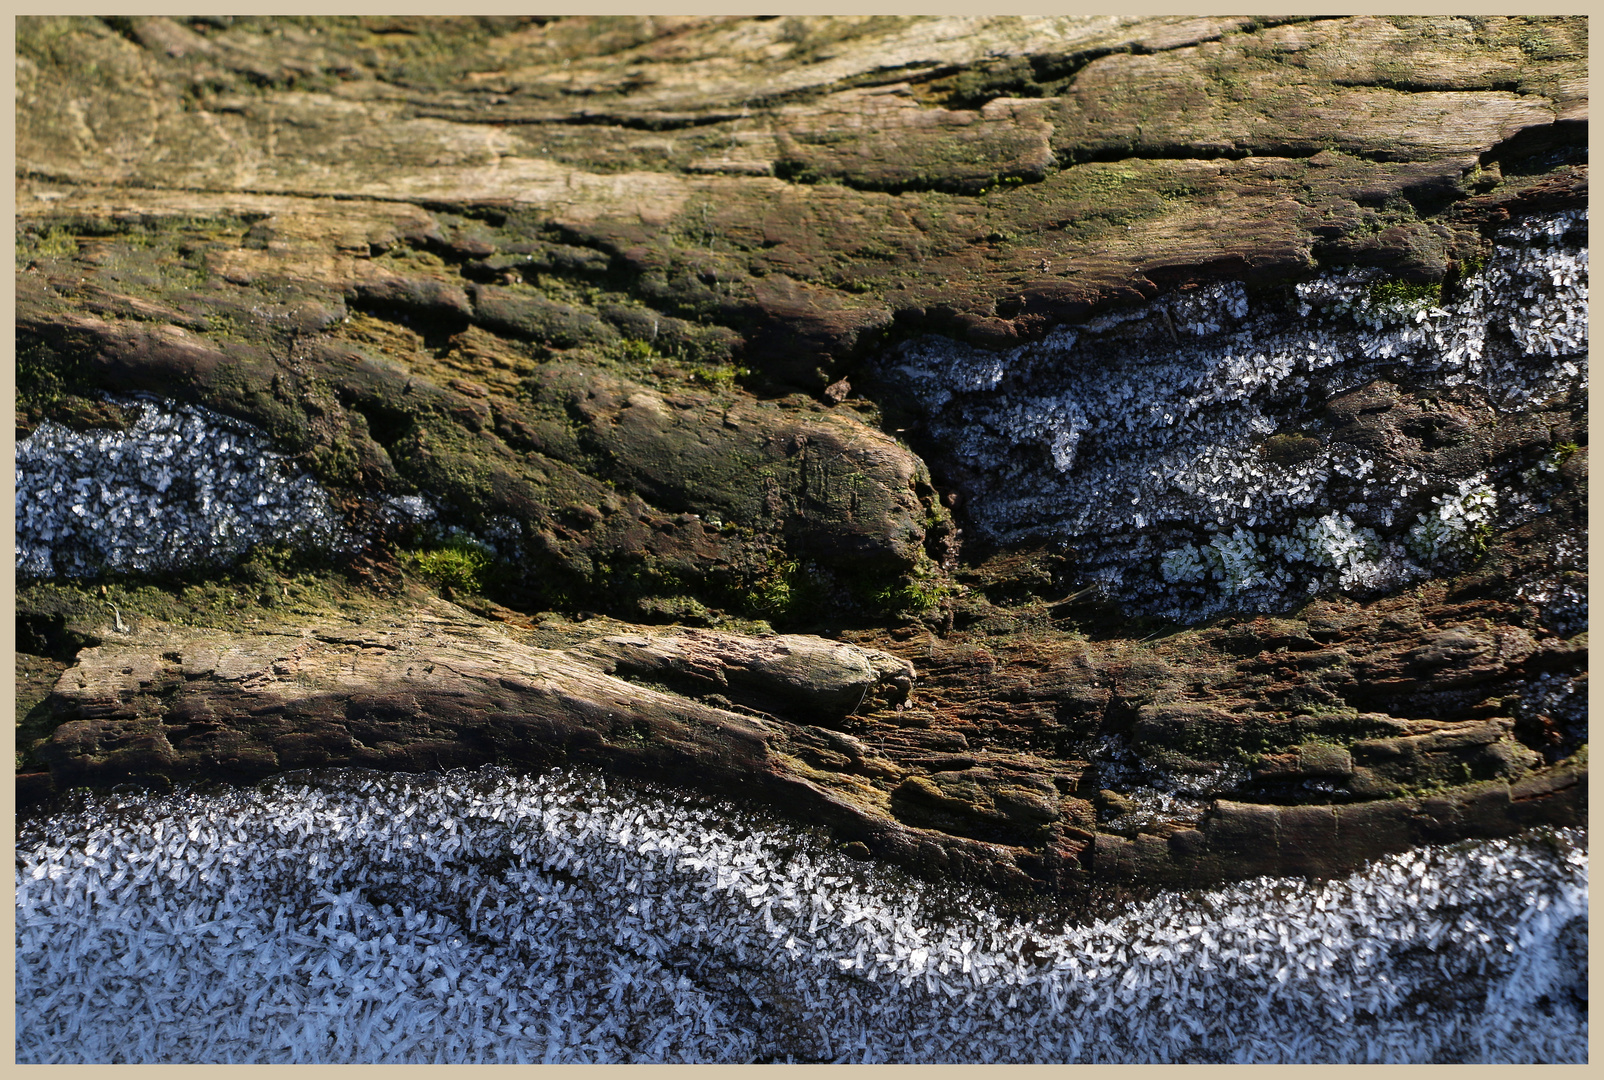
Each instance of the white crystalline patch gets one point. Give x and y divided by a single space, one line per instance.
484 917
1136 437
181 485
1454 520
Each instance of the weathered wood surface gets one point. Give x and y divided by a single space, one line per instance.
624 288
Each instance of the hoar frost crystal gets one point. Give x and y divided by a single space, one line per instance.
181 486
1132 438
479 916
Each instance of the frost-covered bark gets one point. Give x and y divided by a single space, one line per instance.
1145 441
1197 406
483 918
179 487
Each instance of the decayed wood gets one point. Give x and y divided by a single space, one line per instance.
438 688
394 270
795 674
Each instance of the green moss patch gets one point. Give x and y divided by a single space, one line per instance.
459 564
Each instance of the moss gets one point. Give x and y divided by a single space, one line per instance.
337 464
778 592
917 593
634 350
1257 734
1395 293
270 584
1537 46
637 583
459 564
1470 266
54 242
1457 774
722 377
43 374
799 594
636 733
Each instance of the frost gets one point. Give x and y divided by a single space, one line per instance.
1237 561
182 485
1135 438
1183 564
1458 524
480 916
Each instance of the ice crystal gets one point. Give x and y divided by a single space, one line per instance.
182 485
480 916
1135 438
